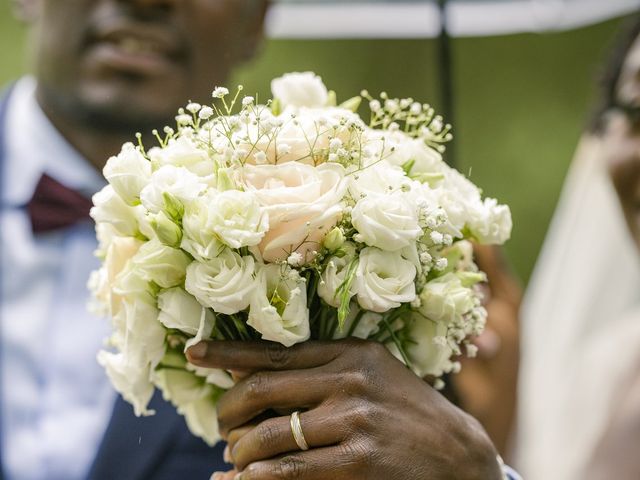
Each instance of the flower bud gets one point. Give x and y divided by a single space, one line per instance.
334 239
165 229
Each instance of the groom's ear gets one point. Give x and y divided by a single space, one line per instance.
26 10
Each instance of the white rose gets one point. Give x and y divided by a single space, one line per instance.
278 308
178 182
110 208
429 352
184 151
144 338
223 283
161 264
300 90
180 311
128 173
303 204
384 280
389 222
334 275
445 299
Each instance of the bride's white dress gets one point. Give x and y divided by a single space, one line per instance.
580 325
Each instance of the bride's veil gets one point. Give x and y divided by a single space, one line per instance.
580 324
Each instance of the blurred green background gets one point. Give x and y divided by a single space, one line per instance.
521 102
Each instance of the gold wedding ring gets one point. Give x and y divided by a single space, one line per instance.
296 429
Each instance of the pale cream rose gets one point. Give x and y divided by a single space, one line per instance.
384 280
303 204
445 299
305 138
278 308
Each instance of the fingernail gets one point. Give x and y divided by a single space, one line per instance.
198 351
216 476
238 477
226 455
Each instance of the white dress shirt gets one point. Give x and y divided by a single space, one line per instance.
56 400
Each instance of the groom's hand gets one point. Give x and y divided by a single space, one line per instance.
364 415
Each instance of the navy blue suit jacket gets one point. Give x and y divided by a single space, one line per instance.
158 447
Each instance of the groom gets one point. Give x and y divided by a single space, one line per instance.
103 70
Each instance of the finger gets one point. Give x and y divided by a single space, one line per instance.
258 356
230 475
263 391
340 462
274 436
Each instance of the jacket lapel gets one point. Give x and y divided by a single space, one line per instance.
132 445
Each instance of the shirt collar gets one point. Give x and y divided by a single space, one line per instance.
33 146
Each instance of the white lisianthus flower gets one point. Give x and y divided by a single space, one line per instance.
183 152
237 218
181 387
181 311
214 376
368 324
494 226
384 280
202 419
178 182
334 275
300 90
389 222
109 207
166 266
128 173
105 233
197 238
379 179
444 299
278 308
144 337
130 380
223 283
429 351
120 252
303 204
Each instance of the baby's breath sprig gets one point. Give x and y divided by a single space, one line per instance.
413 118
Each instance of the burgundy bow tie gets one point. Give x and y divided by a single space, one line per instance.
55 206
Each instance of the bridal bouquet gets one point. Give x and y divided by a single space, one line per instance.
286 221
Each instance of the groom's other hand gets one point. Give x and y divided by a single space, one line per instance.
364 415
